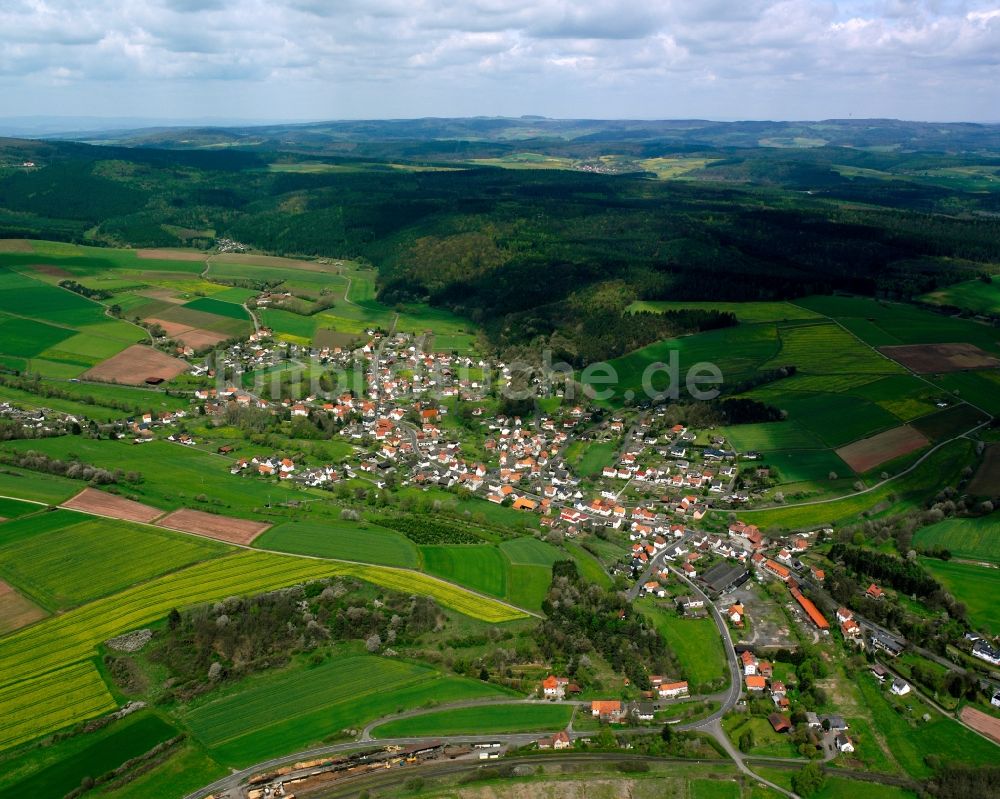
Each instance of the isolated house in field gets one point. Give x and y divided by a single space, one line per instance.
844 743
900 687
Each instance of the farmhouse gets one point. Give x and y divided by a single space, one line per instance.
900 687
609 710
669 690
554 687
844 743
560 740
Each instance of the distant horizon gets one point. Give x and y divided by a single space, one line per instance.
53 124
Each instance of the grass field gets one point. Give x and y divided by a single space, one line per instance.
62 646
976 587
530 551
715 789
592 458
346 540
770 436
747 312
695 643
495 719
939 469
911 743
981 389
37 487
479 566
219 307
975 539
767 742
589 566
12 508
85 558
973 295
126 739
174 475
345 692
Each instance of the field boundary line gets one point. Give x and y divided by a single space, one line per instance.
886 357
250 548
871 488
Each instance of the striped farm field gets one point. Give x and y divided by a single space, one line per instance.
975 539
826 348
73 559
316 702
53 701
444 593
62 640
299 691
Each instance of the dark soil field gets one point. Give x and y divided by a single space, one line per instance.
135 365
936 358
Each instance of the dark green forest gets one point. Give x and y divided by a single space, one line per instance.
552 255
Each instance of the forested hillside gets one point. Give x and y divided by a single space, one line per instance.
552 255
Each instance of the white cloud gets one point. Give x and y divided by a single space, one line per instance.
315 58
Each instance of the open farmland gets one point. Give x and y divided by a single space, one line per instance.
975 586
868 453
105 751
300 691
981 389
937 358
62 641
747 312
986 481
344 540
940 468
344 692
211 525
479 566
85 558
973 295
174 475
52 701
15 610
485 719
137 365
983 722
451 596
101 503
530 551
974 539
694 642
826 348
12 508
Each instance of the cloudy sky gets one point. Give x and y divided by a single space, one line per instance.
325 59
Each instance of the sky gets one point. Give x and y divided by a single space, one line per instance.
933 60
